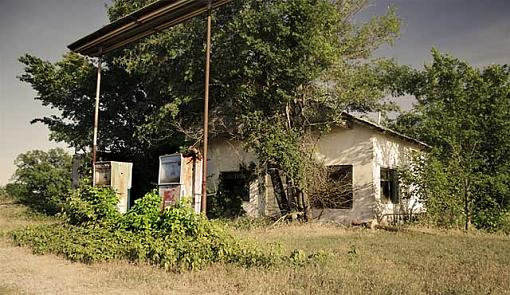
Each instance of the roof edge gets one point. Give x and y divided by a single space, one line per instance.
386 130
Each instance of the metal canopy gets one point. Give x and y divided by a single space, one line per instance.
142 23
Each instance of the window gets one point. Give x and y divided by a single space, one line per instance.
337 193
390 189
235 185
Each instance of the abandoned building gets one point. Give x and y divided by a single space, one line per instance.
365 154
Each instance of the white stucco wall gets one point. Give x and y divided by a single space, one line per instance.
227 156
365 148
354 147
391 152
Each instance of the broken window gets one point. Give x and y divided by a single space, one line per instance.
338 193
233 190
390 189
236 185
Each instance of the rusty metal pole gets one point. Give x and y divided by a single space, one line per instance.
96 118
206 108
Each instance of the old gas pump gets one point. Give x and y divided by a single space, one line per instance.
116 175
180 176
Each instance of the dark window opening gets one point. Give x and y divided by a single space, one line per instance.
338 193
390 188
235 185
233 189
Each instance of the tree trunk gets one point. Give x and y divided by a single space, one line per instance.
292 195
466 204
307 207
300 200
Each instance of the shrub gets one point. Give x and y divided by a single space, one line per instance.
175 239
224 205
504 223
4 195
92 206
227 200
182 240
144 214
84 244
248 223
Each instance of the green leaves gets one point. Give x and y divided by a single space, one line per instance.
42 179
68 87
463 112
92 207
298 63
175 239
144 214
125 7
266 54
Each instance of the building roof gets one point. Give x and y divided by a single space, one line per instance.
385 130
150 19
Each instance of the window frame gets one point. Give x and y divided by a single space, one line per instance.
391 185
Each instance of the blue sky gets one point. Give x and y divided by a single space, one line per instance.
475 30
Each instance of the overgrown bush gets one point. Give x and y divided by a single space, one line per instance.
227 201
92 206
434 184
221 205
504 223
427 180
175 239
144 215
248 223
3 194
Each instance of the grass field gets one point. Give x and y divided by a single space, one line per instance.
412 261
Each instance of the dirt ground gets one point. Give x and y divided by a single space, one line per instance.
24 273
21 272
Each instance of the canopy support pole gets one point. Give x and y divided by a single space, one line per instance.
206 108
96 117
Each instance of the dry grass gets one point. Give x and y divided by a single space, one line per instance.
13 216
416 261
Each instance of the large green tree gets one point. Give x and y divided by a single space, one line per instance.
42 179
464 113
280 69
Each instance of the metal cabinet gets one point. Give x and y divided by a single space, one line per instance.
117 175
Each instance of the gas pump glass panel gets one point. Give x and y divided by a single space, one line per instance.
103 174
170 169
